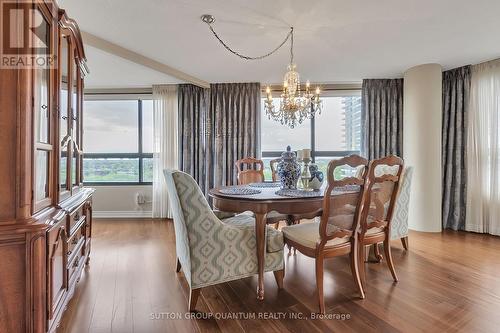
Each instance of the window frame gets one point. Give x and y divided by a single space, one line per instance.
328 92
140 155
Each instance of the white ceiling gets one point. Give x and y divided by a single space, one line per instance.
335 41
108 71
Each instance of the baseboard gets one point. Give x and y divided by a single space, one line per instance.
109 214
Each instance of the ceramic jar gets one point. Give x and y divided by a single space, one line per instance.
288 170
317 177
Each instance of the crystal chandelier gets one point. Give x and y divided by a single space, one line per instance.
295 106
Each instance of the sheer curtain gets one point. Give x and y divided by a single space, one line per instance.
483 150
165 144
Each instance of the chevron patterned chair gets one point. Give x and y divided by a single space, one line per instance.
399 223
212 251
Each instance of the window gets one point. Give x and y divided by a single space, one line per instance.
118 141
334 133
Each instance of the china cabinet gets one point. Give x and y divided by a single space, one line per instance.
45 212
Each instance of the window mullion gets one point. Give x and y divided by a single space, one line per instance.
139 104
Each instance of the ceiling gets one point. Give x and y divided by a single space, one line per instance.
109 71
335 41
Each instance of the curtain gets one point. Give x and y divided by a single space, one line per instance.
217 127
236 112
456 87
165 144
382 117
483 144
195 135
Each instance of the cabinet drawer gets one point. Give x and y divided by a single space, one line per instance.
73 268
75 219
76 241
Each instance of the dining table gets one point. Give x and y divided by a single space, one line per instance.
268 199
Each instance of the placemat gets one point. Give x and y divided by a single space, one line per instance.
265 184
239 191
299 193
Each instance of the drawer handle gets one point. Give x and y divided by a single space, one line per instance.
75 264
69 253
76 217
74 241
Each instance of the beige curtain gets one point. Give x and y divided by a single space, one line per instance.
483 150
165 144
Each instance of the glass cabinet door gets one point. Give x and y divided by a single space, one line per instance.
64 137
74 165
42 117
75 122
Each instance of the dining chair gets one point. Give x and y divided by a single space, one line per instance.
399 221
251 170
210 251
274 168
379 198
335 234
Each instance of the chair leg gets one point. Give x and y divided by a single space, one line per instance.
319 282
178 266
193 298
388 258
279 275
361 265
355 270
376 252
404 241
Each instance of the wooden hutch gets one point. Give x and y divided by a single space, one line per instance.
45 212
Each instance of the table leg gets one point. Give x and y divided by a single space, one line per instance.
260 235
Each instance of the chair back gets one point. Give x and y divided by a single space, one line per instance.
399 221
191 213
250 170
274 168
380 193
341 213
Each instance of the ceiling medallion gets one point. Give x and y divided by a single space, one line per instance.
295 106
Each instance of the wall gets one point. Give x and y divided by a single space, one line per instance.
120 201
422 144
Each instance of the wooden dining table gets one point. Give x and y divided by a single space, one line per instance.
267 201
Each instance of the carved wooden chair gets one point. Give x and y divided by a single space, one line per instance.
250 170
336 233
248 175
379 198
274 168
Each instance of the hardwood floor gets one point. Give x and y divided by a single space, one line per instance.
448 282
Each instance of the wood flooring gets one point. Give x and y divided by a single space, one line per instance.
449 282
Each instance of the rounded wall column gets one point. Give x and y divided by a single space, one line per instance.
422 118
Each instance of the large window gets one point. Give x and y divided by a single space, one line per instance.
118 141
334 133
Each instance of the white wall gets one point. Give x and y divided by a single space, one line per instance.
422 144
119 201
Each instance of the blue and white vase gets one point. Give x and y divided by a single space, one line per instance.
317 177
288 170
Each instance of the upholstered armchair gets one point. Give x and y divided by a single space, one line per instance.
399 223
212 251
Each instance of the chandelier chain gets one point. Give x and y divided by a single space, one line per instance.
290 34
